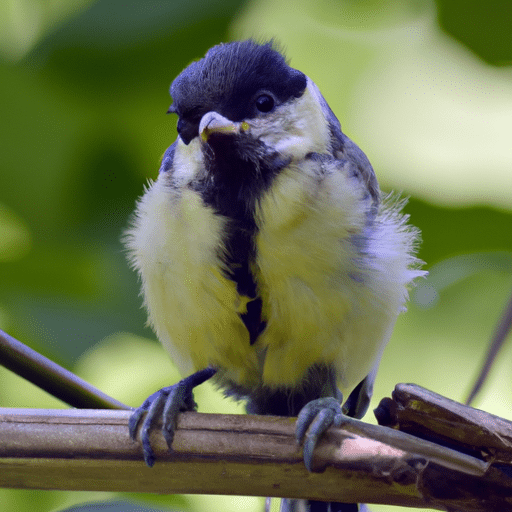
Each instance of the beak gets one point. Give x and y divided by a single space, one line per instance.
213 123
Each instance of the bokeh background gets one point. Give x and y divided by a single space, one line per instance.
424 87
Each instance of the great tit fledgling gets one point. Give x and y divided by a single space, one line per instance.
269 261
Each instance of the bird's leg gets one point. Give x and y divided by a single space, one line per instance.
313 420
166 403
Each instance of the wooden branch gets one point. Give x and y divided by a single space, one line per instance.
249 455
433 417
53 378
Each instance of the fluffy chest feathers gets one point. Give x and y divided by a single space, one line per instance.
322 298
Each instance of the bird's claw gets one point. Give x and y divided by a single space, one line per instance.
166 403
313 420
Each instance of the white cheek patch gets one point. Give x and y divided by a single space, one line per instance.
297 128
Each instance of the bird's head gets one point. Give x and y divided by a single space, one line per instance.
243 103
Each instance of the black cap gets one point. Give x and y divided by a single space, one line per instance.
227 80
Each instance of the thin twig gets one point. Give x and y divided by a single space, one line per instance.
499 337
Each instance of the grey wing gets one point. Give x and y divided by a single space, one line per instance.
344 148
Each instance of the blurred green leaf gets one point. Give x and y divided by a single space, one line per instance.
15 239
482 26
449 232
452 270
434 120
23 23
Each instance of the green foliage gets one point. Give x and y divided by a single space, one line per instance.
83 97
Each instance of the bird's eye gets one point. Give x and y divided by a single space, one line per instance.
265 103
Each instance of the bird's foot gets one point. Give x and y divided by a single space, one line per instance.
313 420
166 403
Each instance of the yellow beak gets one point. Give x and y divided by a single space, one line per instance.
214 123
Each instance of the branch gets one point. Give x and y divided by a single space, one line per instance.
459 458
56 380
250 455
433 417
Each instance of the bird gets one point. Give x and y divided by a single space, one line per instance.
270 262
